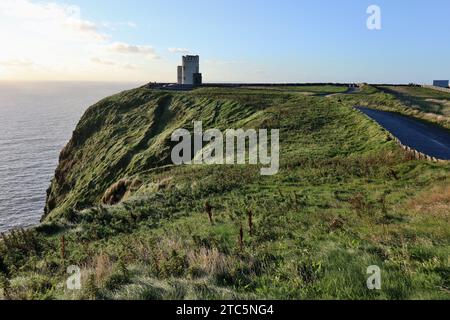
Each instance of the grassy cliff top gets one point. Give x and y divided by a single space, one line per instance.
346 197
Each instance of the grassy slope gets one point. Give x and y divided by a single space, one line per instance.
346 198
308 89
425 99
426 104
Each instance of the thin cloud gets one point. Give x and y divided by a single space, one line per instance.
113 26
53 41
179 50
122 47
59 16
130 66
125 48
17 63
105 62
131 24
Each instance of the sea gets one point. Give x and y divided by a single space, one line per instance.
36 121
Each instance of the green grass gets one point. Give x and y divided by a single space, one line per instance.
308 89
420 92
427 100
346 197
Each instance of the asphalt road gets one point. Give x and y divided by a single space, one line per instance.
426 138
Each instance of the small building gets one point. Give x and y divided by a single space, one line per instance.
189 72
180 75
441 83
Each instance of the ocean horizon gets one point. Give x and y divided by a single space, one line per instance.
37 120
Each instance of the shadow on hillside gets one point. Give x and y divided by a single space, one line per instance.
412 101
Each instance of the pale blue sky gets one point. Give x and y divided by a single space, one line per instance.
263 40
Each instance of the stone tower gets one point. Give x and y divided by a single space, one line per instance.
189 72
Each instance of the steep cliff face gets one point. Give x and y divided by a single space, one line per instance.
104 146
126 134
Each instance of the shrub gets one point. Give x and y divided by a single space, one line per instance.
91 290
5 286
19 245
174 265
118 277
3 268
